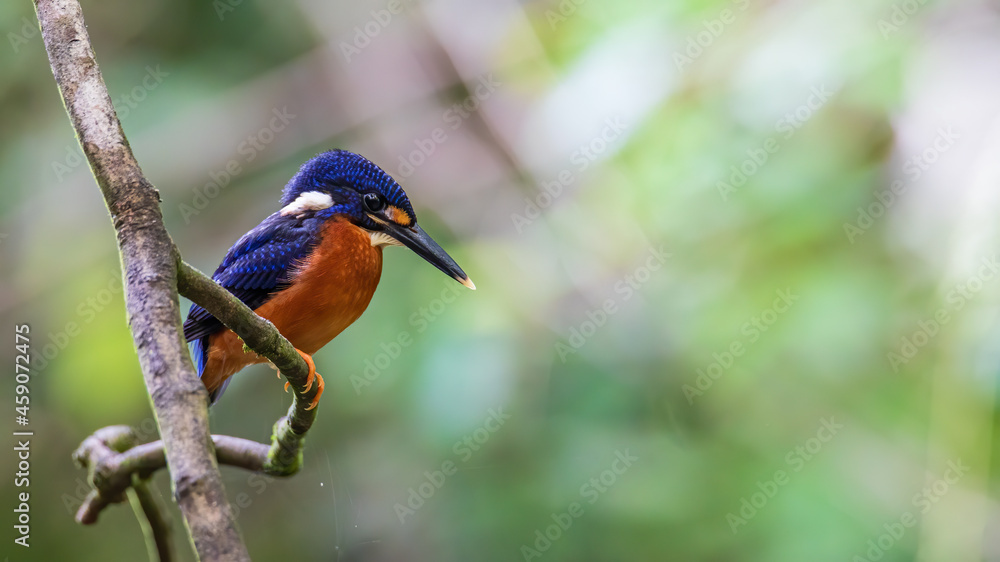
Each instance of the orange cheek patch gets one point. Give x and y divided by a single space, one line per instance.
398 216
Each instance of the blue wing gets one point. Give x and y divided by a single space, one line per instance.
260 264
257 266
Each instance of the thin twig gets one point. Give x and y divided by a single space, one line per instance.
155 526
113 463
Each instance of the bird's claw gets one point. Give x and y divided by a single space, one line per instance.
310 378
319 392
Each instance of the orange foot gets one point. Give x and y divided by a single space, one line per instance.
312 376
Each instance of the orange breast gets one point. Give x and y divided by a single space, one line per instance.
330 290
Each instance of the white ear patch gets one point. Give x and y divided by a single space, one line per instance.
383 239
308 201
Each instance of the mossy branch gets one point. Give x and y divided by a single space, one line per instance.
285 455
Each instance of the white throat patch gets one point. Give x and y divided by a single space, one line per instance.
308 201
382 239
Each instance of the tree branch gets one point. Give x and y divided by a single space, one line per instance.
150 280
154 274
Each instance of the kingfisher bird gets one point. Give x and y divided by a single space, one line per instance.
312 267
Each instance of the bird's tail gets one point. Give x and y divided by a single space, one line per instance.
199 350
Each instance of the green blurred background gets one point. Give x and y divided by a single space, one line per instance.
730 256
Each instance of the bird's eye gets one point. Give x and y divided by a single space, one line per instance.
374 202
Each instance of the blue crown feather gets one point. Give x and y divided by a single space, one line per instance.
340 168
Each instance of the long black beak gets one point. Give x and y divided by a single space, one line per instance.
416 239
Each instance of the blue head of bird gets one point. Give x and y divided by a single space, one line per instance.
341 183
